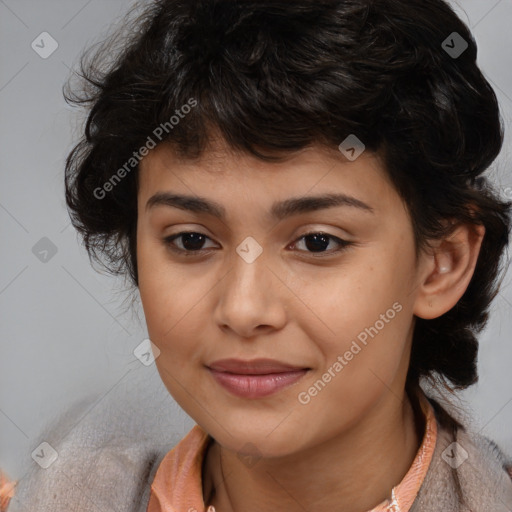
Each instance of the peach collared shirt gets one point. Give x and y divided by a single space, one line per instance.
6 491
177 485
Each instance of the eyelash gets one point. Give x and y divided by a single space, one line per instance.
168 242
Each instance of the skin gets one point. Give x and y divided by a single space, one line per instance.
354 440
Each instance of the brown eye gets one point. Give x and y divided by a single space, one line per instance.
318 242
191 242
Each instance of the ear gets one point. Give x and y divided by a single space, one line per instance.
447 270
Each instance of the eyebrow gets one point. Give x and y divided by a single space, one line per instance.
279 210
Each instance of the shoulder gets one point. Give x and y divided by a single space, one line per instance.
471 465
488 472
101 454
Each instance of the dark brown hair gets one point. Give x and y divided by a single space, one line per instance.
274 76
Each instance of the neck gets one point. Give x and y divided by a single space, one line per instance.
353 472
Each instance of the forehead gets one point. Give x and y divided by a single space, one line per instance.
229 176
218 158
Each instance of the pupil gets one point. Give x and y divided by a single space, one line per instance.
190 239
317 242
321 245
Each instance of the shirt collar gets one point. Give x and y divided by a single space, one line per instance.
178 486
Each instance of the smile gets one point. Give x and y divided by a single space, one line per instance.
256 386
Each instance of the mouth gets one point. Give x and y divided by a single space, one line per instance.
256 378
253 367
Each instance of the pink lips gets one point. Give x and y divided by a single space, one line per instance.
256 378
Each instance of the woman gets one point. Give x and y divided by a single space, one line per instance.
295 189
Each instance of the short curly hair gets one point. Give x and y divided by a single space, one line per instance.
274 76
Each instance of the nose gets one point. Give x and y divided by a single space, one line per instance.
251 298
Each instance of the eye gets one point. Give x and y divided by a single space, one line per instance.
191 242
317 242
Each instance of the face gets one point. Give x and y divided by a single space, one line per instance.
327 288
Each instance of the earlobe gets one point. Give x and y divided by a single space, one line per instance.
450 267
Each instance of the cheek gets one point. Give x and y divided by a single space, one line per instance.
362 313
172 325
361 360
166 294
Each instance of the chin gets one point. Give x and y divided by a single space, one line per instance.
248 439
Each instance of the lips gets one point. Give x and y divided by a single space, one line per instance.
256 378
254 367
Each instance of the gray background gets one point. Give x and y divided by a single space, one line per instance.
65 331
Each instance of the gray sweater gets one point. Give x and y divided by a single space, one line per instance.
109 448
